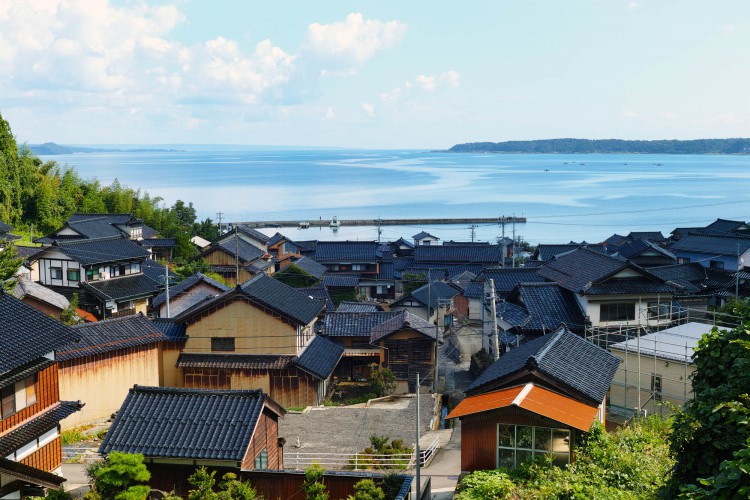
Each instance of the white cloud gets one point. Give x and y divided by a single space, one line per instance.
667 114
729 30
421 84
353 41
329 114
630 114
633 5
428 83
369 109
451 78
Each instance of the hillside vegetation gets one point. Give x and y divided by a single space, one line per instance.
582 146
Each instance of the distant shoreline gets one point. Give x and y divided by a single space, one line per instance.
50 148
738 146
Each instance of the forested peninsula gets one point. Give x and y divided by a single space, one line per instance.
609 146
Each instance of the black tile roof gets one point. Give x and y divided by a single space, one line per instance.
655 236
235 361
91 252
155 271
548 306
36 426
94 226
423 234
27 333
173 330
711 244
512 314
693 277
341 280
309 266
319 292
159 242
615 240
563 356
27 252
401 321
184 287
724 226
253 233
123 287
357 307
386 270
276 238
546 252
458 254
320 357
576 270
474 290
23 371
346 251
5 228
507 279
431 294
236 246
354 324
111 335
187 423
635 248
282 298
630 286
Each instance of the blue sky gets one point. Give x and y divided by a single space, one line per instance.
377 74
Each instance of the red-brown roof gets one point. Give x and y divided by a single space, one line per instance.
535 399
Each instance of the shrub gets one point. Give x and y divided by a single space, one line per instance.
366 489
313 486
382 380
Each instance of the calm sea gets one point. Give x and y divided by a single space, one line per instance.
564 197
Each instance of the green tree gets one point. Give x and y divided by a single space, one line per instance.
382 380
10 179
203 483
313 485
207 230
714 424
233 488
9 264
366 489
69 315
120 477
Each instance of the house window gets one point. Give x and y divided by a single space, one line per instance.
93 275
8 395
517 444
716 264
261 461
659 310
426 243
222 344
55 273
618 311
683 260
74 275
448 320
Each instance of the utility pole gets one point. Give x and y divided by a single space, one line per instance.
495 344
380 231
473 228
219 214
416 447
502 223
166 284
513 247
31 235
737 275
236 256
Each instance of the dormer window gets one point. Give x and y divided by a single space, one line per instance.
136 232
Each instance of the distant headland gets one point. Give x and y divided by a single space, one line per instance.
609 146
50 148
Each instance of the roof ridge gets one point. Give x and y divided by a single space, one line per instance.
110 320
193 391
539 356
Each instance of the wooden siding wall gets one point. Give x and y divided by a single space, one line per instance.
255 331
219 257
48 457
288 387
407 353
47 394
479 435
266 437
102 381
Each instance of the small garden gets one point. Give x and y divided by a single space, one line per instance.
381 382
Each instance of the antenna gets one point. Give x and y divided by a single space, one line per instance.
380 230
219 214
473 228
502 224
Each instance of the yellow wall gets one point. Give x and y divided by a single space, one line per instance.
169 374
255 331
141 306
102 382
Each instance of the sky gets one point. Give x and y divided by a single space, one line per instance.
372 74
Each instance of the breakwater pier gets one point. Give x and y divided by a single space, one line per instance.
321 222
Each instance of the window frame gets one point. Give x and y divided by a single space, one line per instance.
617 316
260 462
73 272
217 347
55 270
532 451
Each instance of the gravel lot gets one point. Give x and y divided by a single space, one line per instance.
348 430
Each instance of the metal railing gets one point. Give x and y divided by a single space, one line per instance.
359 461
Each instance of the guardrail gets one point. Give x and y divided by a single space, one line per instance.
359 461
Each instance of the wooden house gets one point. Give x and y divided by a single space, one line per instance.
186 294
259 335
235 259
432 302
30 406
178 430
108 359
536 400
407 346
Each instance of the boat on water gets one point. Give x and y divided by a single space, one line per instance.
334 222
303 225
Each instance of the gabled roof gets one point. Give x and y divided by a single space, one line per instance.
431 294
236 246
647 235
93 226
276 238
122 288
357 307
174 331
92 252
546 252
319 292
159 242
512 314
562 356
184 287
403 242
459 254
533 398
724 226
253 233
27 288
636 247
423 234
693 277
27 334
155 271
548 306
615 239
354 324
712 244
580 270
474 290
267 292
193 424
403 320
341 280
111 335
507 279
309 266
319 357
346 251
